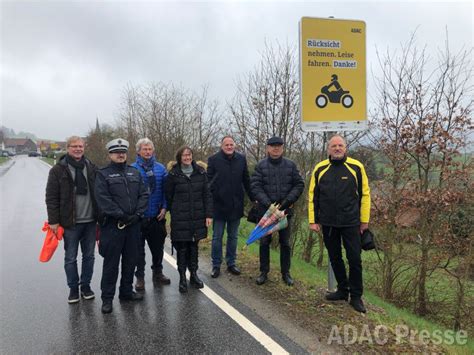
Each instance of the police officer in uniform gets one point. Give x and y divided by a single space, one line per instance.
122 199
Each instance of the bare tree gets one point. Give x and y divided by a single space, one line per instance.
171 117
423 119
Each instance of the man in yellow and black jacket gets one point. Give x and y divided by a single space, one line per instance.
339 204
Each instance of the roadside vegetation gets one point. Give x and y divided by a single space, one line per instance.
417 157
3 160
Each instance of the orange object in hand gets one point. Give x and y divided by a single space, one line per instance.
51 242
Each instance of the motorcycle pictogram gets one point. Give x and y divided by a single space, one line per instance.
335 96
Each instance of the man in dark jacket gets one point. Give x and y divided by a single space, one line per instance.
153 225
122 199
228 175
339 202
70 203
276 180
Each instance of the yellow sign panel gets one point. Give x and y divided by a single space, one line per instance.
332 75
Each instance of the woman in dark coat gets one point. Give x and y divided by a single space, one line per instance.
190 204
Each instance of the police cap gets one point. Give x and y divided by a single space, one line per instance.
118 145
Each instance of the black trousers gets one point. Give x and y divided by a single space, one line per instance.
118 245
350 237
285 251
154 233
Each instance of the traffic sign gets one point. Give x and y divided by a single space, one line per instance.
333 74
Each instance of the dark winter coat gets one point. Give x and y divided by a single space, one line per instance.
189 202
60 196
120 191
276 180
228 177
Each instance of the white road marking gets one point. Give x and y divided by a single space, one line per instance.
267 342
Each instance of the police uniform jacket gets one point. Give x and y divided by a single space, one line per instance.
339 194
120 191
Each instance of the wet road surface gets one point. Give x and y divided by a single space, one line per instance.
36 318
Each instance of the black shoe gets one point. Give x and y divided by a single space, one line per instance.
73 295
357 304
287 279
216 271
107 306
234 270
183 284
339 295
87 293
132 297
262 278
195 280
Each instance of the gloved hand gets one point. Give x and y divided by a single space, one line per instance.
284 204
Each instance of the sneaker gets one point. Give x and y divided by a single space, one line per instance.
357 304
339 295
107 306
261 279
140 284
132 297
87 293
73 295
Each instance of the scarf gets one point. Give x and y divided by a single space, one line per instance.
147 165
80 181
187 169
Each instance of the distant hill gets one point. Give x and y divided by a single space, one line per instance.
10 133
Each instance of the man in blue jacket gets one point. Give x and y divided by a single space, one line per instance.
228 176
153 227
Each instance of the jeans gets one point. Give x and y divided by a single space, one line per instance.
285 251
154 232
350 237
218 226
83 234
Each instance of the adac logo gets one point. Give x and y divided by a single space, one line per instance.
336 96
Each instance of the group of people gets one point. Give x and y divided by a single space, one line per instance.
123 206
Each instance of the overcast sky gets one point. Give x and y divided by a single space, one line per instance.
65 63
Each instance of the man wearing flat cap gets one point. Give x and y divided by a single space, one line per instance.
122 199
276 180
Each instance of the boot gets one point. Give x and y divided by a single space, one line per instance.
140 284
181 260
159 277
193 265
183 284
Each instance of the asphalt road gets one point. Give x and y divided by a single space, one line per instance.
36 318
